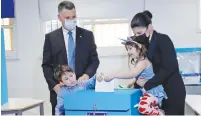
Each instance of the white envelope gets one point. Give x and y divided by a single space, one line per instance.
104 86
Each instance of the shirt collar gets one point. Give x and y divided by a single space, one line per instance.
76 84
66 31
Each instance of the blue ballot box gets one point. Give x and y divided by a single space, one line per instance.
89 102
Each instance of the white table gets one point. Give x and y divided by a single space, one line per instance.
194 101
18 105
192 81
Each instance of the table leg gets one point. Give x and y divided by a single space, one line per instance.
41 109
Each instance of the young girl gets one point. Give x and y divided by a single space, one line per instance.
68 79
136 47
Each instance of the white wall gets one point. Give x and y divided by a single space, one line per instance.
178 19
94 8
25 77
24 74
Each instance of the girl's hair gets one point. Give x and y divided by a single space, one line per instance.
142 54
60 70
142 19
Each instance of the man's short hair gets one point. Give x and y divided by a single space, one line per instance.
66 5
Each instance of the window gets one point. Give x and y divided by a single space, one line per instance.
7 25
200 14
52 25
107 33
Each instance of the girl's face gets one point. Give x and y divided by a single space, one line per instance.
68 79
133 52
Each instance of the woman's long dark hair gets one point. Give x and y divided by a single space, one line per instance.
142 19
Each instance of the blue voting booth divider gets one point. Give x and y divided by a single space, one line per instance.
185 50
7 11
189 61
4 89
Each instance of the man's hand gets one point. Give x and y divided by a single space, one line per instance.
141 81
143 91
61 84
83 78
57 88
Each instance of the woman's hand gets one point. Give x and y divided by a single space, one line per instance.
143 91
141 81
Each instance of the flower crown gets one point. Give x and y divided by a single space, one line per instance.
131 39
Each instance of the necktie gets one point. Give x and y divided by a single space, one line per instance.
71 51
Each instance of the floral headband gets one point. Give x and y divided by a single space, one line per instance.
131 39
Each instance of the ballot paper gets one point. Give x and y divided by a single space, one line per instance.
104 86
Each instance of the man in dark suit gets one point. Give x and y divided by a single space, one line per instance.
70 45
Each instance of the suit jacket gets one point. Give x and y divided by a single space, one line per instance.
163 56
54 53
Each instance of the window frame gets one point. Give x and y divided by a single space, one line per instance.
102 51
111 50
12 54
199 16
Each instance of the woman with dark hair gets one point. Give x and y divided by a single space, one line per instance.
161 53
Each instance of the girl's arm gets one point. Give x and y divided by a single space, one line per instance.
140 66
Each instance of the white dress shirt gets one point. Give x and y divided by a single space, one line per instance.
66 36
